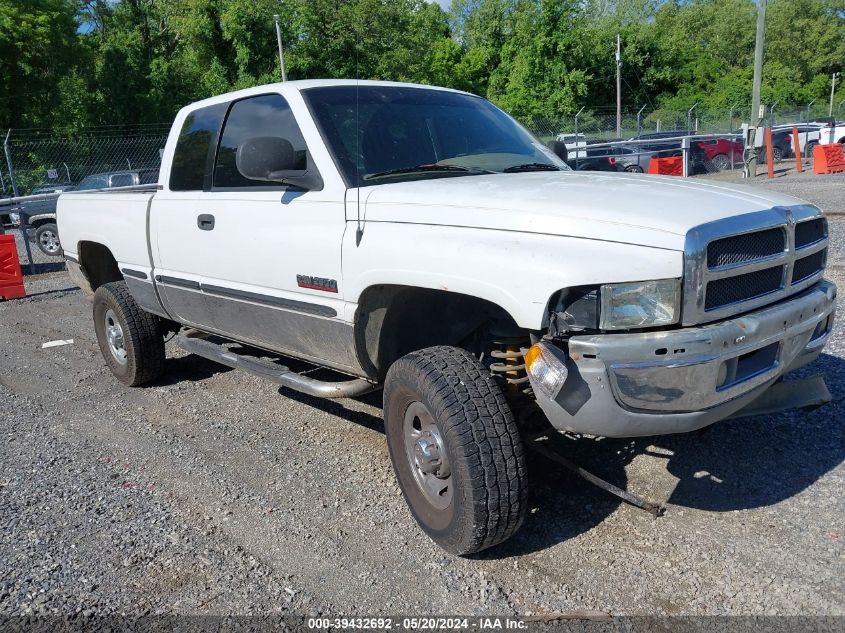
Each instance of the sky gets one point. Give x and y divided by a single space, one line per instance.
444 3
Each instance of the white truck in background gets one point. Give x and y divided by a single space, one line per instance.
419 240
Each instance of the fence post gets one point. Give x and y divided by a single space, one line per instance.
640 122
576 136
24 224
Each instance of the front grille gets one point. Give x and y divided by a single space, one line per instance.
728 290
808 266
744 262
810 232
738 249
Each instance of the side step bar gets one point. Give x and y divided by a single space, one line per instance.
277 373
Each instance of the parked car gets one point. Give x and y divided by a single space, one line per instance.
832 131
809 134
41 213
418 240
721 152
664 145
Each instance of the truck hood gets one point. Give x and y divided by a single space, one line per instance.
629 208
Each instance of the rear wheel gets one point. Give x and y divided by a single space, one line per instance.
455 448
47 239
130 339
777 154
634 169
721 162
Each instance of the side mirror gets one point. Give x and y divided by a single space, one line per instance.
273 159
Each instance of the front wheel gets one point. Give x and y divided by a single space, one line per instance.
130 339
455 448
47 239
634 169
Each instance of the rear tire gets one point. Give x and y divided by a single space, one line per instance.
130 339
47 239
634 169
721 162
455 448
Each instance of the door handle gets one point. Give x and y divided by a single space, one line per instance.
205 222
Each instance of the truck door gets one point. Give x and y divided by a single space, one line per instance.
173 218
269 255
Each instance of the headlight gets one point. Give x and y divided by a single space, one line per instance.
640 304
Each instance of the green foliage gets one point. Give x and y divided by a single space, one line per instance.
72 63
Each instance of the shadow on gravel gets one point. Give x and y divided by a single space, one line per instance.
737 464
40 269
763 460
187 368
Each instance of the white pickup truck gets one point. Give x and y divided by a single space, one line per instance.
419 240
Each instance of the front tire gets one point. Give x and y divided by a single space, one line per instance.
47 239
130 339
455 448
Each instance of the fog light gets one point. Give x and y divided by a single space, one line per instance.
547 371
722 376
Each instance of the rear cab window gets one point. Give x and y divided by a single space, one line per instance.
194 147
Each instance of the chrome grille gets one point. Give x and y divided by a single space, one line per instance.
808 266
737 249
722 292
810 232
744 262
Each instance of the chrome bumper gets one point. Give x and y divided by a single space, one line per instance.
625 385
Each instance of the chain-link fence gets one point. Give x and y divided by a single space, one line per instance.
600 123
41 159
43 162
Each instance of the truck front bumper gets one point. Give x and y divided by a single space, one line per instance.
655 383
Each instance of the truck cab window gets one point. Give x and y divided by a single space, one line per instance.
191 155
265 115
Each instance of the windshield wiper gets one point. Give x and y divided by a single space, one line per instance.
531 167
424 168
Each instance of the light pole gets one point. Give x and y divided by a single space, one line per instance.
281 48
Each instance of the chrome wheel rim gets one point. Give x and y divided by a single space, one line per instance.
427 457
114 337
721 162
49 241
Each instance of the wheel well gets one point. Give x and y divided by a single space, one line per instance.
392 321
42 222
98 264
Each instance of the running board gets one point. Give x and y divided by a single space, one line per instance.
277 373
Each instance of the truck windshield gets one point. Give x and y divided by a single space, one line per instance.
381 134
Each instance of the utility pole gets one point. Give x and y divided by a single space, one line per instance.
281 49
833 79
755 90
618 87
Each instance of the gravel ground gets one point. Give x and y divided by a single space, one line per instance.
213 492
823 190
